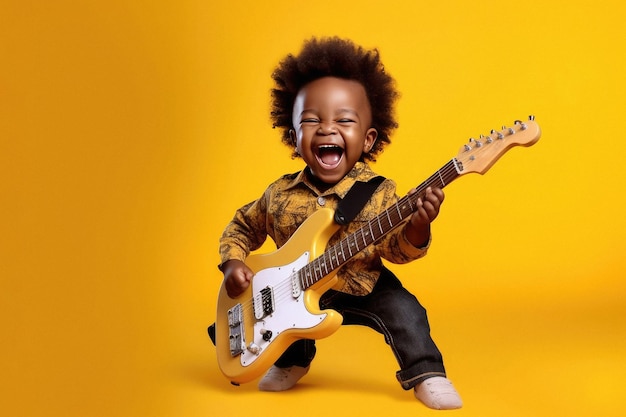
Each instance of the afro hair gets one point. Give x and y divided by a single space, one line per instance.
341 58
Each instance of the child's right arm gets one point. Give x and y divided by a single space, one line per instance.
245 233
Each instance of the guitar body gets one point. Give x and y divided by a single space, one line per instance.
271 314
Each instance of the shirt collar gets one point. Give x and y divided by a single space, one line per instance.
360 172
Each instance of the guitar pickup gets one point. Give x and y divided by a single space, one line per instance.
264 303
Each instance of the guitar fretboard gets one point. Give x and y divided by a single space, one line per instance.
341 252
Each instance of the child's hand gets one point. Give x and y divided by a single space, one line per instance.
428 207
418 228
237 277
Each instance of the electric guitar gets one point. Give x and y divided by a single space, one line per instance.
281 305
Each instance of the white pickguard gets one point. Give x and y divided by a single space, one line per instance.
289 312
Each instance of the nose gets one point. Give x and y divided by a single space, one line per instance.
327 128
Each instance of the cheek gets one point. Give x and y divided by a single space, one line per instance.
302 144
302 137
298 142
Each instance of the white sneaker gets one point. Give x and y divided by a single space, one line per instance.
282 379
438 393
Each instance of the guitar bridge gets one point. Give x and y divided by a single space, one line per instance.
235 330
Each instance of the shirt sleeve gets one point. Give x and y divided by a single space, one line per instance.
246 232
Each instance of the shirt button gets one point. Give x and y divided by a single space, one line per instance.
321 201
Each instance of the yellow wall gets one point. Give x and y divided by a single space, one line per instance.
130 131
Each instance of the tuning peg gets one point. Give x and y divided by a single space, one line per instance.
499 134
487 139
476 143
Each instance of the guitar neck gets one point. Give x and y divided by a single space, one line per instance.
341 252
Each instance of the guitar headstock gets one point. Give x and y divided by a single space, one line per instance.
478 155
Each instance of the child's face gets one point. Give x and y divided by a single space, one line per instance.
332 126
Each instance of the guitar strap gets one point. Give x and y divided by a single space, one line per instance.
355 200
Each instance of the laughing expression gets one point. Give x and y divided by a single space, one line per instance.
332 126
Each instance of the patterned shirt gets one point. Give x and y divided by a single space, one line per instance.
288 201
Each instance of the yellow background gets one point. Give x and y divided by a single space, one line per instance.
130 131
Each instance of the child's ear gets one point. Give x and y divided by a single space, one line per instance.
370 139
294 140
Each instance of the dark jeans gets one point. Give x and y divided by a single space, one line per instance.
392 311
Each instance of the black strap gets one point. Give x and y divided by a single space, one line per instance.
355 200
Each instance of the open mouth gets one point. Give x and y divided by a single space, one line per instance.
329 156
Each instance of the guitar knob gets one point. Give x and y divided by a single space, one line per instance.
254 348
267 334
